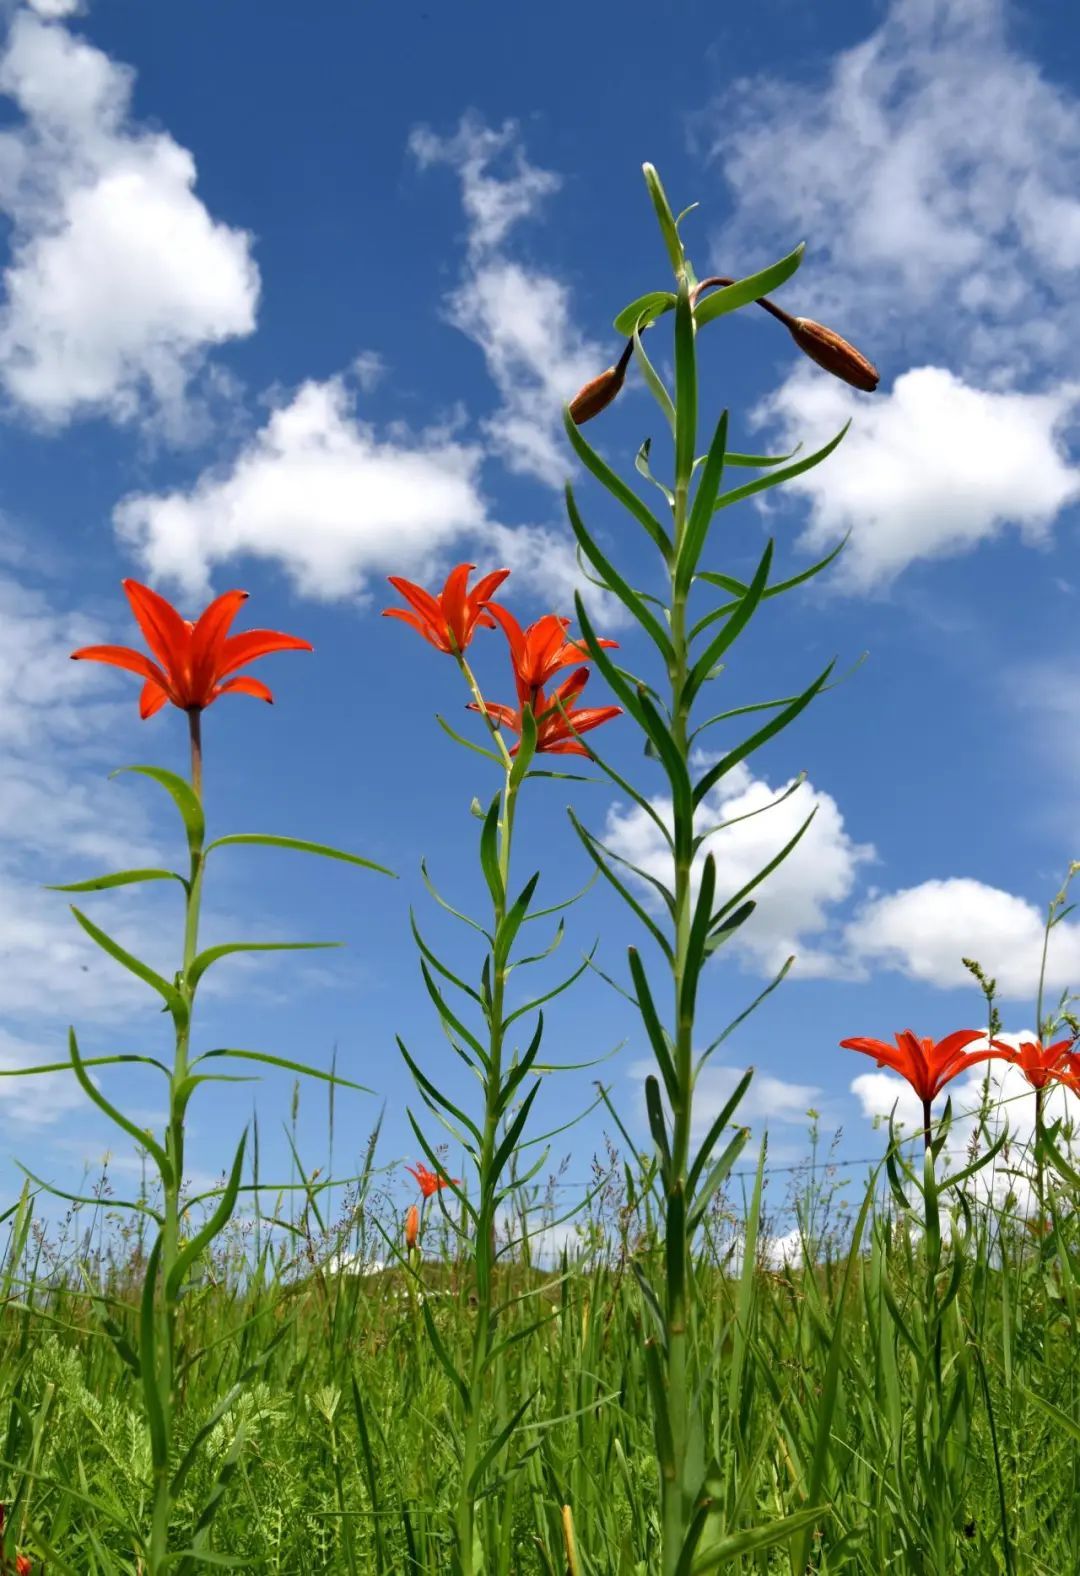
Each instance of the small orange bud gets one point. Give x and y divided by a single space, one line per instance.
412 1227
23 1567
599 393
834 354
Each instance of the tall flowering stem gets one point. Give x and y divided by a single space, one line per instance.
191 666
687 649
508 1075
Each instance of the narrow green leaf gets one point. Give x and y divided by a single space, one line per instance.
654 382
745 609
227 949
144 1139
489 853
641 465
686 415
202 1239
665 218
120 878
658 1037
301 845
169 994
615 582
620 887
645 310
155 1414
753 1539
701 511
731 297
762 483
289 1066
616 486
183 796
755 740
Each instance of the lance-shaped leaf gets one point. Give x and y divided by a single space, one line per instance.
87 1061
169 993
118 879
738 588
708 1143
288 1065
731 297
675 768
225 949
457 914
718 1174
697 942
755 740
144 1139
701 512
592 849
775 478
506 934
654 1028
655 384
202 1239
614 581
744 611
645 310
489 853
301 845
766 870
434 1095
641 465
616 486
438 966
723 930
665 218
513 1132
183 796
449 1018
685 388
654 1378
654 1108
753 1539
155 1411
549 995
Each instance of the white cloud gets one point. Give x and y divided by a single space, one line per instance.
518 315
928 471
319 491
796 899
934 175
925 930
53 10
39 1100
120 278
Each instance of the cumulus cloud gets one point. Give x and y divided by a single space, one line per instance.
120 278
927 471
519 315
796 899
319 491
923 932
934 175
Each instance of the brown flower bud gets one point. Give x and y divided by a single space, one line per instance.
599 393
833 353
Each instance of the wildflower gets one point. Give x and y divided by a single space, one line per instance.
834 353
927 1065
449 620
556 730
599 392
193 660
539 652
412 1227
428 1181
23 1565
1041 1064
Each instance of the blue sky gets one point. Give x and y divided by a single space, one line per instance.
294 306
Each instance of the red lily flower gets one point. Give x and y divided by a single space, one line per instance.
412 1226
23 1566
428 1181
1043 1064
193 660
539 652
556 731
927 1065
449 620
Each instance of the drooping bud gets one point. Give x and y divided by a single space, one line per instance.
833 353
23 1565
412 1227
599 393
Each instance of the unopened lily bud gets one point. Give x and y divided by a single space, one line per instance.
834 354
412 1227
599 393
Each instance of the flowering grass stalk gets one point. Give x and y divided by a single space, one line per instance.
192 665
695 920
509 1080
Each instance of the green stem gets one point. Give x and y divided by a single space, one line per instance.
164 1356
485 1247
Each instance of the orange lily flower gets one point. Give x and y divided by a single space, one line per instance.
1043 1064
428 1181
539 652
928 1065
412 1226
193 660
556 730
448 621
23 1566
